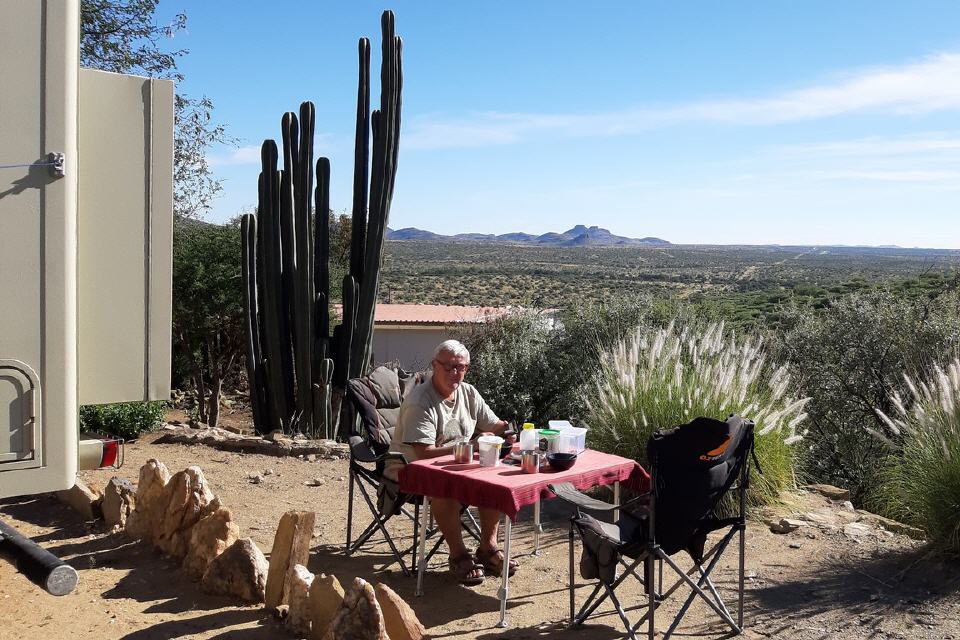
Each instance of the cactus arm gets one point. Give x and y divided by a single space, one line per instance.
270 241
385 151
301 309
360 163
248 245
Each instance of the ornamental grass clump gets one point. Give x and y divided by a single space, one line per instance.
921 477
661 378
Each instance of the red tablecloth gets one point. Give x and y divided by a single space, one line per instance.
506 488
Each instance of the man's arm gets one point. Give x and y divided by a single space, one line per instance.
426 451
487 420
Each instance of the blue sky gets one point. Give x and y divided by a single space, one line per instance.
782 122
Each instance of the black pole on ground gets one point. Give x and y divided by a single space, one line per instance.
39 565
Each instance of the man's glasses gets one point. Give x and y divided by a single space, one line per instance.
453 368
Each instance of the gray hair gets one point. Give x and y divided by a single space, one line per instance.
453 347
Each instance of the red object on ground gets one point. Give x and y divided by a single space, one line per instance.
507 488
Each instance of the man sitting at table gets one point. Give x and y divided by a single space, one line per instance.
433 416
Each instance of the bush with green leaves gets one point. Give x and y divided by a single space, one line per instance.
125 420
849 357
507 363
583 334
661 378
920 482
208 327
536 366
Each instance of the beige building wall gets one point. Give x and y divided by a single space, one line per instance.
411 346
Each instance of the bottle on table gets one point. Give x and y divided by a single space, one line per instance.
528 437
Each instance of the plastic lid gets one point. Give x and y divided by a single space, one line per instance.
549 432
490 440
528 425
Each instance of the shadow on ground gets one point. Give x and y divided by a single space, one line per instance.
869 589
211 622
149 577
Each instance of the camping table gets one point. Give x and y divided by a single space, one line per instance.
507 488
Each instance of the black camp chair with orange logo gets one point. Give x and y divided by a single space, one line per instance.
693 467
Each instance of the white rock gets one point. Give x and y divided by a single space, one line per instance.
299 615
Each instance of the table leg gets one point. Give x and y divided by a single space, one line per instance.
505 577
537 528
422 542
616 500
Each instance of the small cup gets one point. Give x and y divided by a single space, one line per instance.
530 460
463 452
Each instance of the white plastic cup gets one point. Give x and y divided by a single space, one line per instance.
489 450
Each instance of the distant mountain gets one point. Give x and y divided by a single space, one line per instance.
411 233
578 236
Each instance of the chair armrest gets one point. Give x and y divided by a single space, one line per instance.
360 450
568 493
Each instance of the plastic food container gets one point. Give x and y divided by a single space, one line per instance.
489 450
573 440
549 440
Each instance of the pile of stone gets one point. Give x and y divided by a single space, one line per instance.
181 517
274 444
317 607
837 515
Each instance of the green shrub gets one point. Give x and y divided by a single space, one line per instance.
921 478
583 334
507 363
661 378
125 420
533 367
848 357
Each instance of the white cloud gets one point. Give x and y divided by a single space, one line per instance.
932 84
942 177
250 154
242 155
926 144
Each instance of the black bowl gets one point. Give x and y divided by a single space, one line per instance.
505 449
561 461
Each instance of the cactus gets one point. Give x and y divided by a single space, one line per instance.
297 370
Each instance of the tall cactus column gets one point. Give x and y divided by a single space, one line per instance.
297 370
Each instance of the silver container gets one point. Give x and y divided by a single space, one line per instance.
530 461
463 452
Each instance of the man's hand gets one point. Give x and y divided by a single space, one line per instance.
508 431
504 429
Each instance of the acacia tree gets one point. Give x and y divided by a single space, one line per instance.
207 307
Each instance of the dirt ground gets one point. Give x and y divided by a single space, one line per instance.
808 584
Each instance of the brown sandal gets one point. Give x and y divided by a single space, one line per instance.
492 562
466 570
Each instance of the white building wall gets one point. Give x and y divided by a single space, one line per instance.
412 347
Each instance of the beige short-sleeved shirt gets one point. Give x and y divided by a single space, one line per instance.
426 418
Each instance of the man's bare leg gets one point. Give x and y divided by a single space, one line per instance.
447 515
489 526
488 553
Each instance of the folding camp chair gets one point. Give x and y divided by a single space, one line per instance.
692 468
374 406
